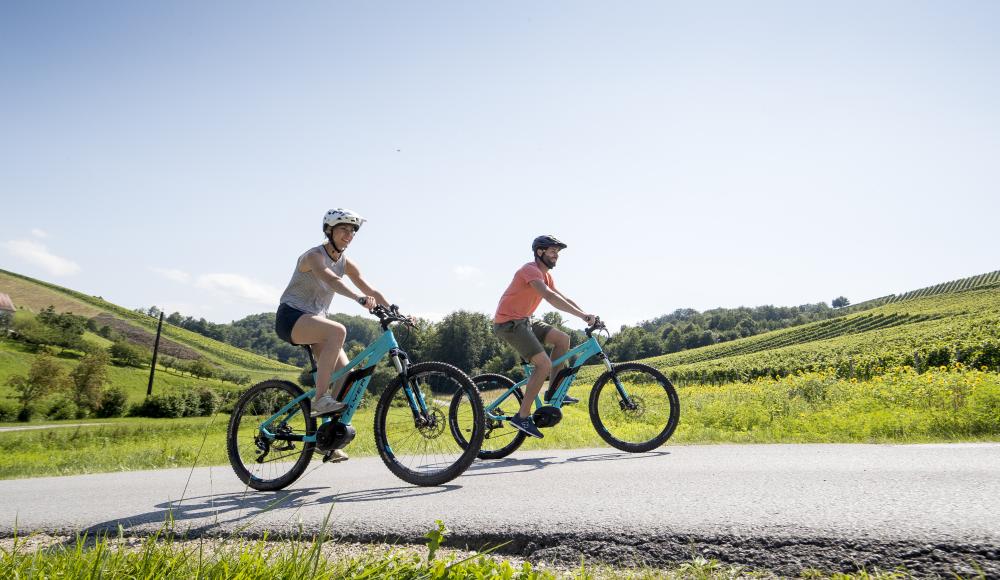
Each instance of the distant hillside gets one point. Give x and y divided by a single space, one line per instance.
961 324
960 285
139 328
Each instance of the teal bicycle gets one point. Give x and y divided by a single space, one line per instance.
272 438
633 406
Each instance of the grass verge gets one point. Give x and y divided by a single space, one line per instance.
164 556
941 405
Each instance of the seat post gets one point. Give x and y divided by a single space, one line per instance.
312 359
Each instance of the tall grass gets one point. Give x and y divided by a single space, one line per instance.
942 404
165 556
952 403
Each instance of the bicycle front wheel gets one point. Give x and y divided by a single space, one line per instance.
641 415
418 422
270 456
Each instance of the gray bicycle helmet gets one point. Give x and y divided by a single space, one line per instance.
546 241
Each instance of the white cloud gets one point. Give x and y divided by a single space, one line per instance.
431 316
37 254
39 233
241 287
467 273
172 274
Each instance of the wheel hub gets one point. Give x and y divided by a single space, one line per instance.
434 425
636 409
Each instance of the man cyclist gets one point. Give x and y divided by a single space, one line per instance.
302 314
513 324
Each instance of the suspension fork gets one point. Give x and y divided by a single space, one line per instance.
417 404
626 400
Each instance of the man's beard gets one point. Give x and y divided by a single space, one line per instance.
549 263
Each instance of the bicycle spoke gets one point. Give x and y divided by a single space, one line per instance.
259 460
643 420
425 450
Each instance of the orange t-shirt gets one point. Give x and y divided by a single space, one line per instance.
520 300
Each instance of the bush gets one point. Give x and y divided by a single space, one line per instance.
208 402
165 406
227 400
63 408
8 411
192 403
114 402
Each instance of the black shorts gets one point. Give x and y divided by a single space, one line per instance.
285 321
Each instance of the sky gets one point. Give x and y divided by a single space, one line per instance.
691 154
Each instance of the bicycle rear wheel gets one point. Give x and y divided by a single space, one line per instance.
416 422
643 421
270 460
500 439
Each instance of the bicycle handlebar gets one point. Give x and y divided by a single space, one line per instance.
387 316
598 325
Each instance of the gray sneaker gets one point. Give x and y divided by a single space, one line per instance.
335 456
525 425
326 405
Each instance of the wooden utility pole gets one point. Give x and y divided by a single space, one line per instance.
156 348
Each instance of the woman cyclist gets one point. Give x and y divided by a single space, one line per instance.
302 315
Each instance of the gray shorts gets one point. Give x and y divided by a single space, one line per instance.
525 335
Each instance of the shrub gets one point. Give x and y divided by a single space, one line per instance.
162 406
191 403
227 400
113 403
208 401
8 411
64 408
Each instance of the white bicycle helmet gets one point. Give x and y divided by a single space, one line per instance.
341 216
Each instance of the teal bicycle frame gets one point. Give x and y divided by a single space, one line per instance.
360 370
580 355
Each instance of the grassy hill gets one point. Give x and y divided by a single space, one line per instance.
35 295
953 322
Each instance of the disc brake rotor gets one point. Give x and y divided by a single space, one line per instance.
434 426
636 409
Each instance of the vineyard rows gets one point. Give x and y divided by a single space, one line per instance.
960 285
960 326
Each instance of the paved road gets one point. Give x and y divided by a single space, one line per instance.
932 508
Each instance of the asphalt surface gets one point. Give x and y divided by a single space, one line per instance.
934 509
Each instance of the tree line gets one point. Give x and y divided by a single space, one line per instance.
466 340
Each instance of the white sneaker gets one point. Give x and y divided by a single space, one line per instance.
326 405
